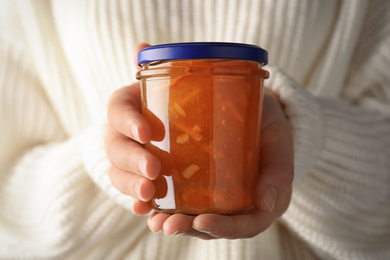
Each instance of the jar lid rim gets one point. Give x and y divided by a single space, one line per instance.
202 50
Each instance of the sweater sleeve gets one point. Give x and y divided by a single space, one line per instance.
53 185
340 204
342 173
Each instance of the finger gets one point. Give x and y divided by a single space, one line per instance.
130 156
180 224
124 114
234 226
132 184
137 49
141 208
156 221
176 224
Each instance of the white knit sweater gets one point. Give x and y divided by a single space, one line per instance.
61 60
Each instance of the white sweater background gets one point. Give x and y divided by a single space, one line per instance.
61 60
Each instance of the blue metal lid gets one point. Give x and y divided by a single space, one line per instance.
203 50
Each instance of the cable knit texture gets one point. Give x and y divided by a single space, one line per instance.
61 60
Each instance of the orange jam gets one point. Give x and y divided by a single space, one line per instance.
205 116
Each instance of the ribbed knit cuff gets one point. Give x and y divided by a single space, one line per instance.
341 191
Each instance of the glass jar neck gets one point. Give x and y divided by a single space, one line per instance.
202 67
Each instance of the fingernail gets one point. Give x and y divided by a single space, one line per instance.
134 132
154 169
206 230
137 189
142 166
270 195
178 233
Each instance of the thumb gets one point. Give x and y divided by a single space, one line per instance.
137 49
277 156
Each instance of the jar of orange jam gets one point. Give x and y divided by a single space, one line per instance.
203 101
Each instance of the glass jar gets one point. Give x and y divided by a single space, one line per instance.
204 104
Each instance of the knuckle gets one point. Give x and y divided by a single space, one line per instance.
129 160
129 189
112 101
288 175
111 174
110 154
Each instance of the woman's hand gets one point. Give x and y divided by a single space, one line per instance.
133 169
